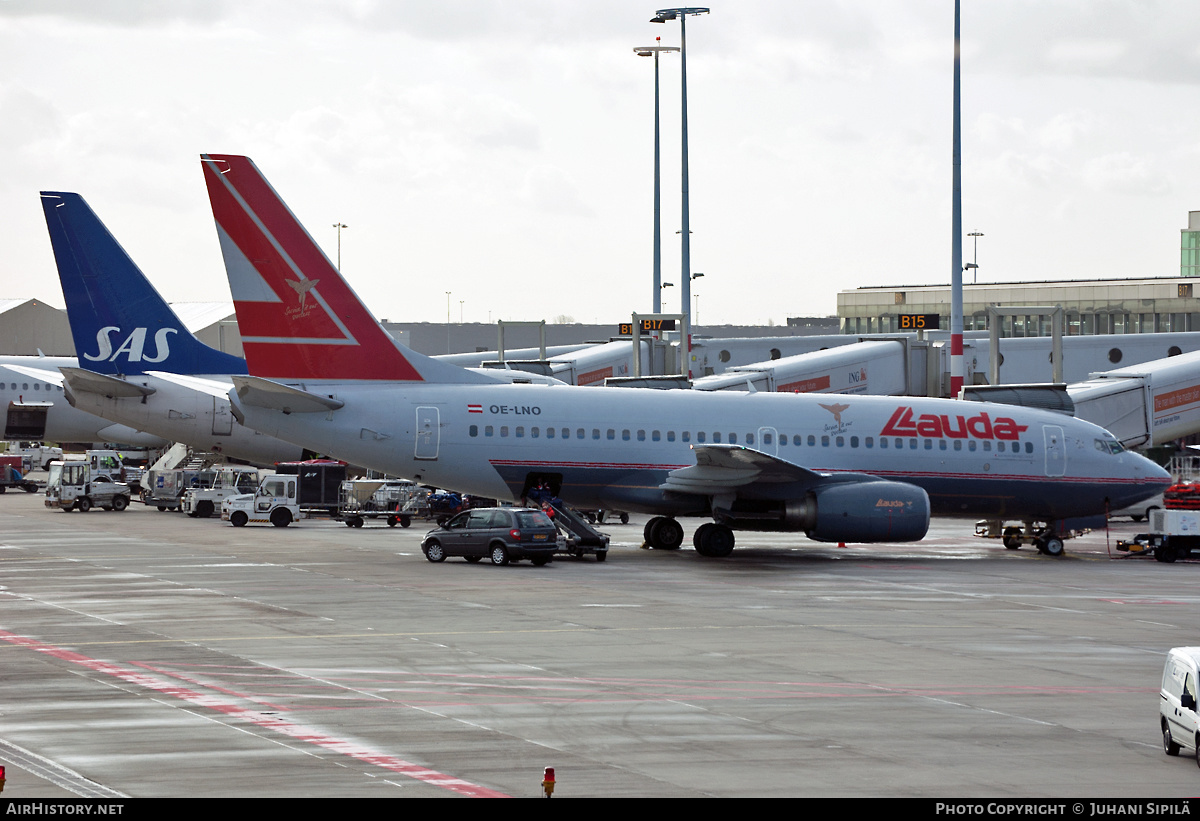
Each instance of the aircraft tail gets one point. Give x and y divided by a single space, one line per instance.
298 317
119 322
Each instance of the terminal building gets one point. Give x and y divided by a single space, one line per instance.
1115 306
1105 306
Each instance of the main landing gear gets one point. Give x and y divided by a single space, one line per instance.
711 539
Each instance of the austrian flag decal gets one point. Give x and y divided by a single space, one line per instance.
980 426
474 408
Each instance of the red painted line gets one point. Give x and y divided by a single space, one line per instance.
270 722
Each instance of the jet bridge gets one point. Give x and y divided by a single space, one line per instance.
1143 405
876 367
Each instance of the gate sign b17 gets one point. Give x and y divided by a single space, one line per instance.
647 326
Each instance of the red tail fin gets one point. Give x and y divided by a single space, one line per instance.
298 317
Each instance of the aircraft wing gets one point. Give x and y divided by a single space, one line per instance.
81 380
264 393
723 469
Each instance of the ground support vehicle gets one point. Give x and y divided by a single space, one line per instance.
356 500
411 503
164 488
1175 531
11 475
223 481
117 467
276 502
1174 534
580 537
320 483
600 516
390 495
503 535
34 455
424 503
74 486
1047 537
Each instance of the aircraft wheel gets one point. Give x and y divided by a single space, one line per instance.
281 517
84 504
1169 746
666 535
239 518
435 552
649 528
499 555
120 503
1012 538
1053 546
713 540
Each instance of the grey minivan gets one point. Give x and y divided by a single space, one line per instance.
502 534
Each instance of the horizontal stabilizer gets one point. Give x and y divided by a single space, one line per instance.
218 388
264 393
85 381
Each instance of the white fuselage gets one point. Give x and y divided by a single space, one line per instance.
181 414
35 408
615 448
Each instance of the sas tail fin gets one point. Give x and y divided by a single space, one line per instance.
298 317
119 322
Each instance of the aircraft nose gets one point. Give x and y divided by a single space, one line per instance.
1155 473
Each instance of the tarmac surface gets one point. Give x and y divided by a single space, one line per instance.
149 654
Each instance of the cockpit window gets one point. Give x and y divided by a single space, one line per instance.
1109 446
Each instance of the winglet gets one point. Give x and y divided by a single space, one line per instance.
119 322
298 317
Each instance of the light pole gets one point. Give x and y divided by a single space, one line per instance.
647 51
696 312
662 16
975 264
447 322
339 226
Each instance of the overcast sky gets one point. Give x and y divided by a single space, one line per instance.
503 151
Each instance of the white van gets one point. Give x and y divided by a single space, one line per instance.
1177 701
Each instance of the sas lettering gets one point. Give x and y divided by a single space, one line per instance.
515 410
133 346
980 426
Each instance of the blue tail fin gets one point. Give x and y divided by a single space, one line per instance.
119 322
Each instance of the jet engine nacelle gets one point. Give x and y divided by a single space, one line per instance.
868 512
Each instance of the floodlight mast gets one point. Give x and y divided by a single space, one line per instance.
647 51
662 16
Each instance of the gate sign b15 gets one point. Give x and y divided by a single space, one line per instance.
920 322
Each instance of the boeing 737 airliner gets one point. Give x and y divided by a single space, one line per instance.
863 469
